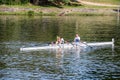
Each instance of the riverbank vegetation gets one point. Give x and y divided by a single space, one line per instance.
52 8
56 3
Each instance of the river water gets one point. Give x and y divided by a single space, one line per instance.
93 64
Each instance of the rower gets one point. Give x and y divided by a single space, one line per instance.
77 40
60 40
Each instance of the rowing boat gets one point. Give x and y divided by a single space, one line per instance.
68 46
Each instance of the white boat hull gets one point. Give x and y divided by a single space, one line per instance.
68 46
63 46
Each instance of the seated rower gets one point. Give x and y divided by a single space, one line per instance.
62 41
59 40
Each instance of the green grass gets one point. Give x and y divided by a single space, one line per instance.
106 1
29 13
98 7
88 14
87 6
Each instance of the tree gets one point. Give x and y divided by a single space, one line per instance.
36 2
60 1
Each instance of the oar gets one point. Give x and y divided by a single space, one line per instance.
71 42
74 44
86 44
83 43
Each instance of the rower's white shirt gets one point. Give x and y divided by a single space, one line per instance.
62 39
77 38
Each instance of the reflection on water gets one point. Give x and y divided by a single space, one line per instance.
59 57
61 64
73 64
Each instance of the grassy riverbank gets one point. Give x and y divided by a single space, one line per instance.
53 11
114 2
